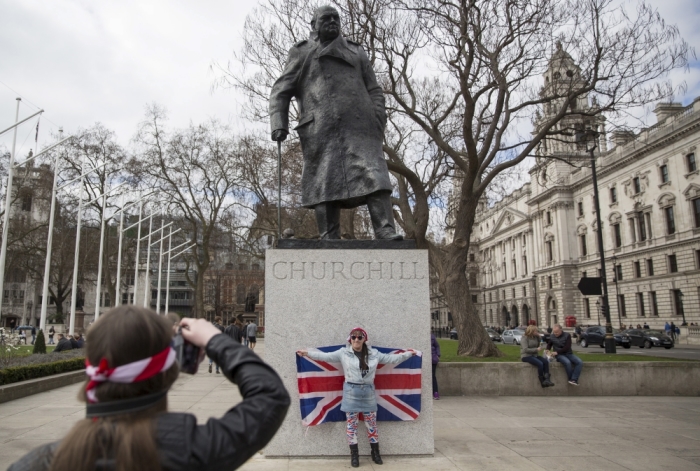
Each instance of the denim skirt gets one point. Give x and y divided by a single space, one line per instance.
358 398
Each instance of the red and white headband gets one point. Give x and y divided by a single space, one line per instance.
364 332
130 373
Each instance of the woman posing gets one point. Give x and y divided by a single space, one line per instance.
130 367
359 362
529 353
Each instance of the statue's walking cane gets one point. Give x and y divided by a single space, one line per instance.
279 190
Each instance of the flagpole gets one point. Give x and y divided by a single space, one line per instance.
8 204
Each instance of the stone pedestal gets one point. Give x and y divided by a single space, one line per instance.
314 298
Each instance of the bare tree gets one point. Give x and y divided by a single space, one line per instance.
195 172
462 79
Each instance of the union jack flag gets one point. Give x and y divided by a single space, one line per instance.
320 383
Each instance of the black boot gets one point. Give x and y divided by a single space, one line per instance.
547 381
542 381
376 457
354 456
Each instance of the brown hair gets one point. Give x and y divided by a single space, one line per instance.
531 332
364 356
122 335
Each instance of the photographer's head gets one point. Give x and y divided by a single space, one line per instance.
122 340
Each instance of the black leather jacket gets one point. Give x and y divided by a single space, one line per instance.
220 444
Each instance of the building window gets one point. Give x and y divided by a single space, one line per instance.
618 272
580 208
672 263
515 268
664 173
650 267
697 259
587 308
613 195
471 257
475 299
621 304
654 305
490 298
637 269
584 249
690 161
27 203
512 292
548 247
472 279
670 220
549 218
640 305
617 235
524 291
637 185
525 264
696 211
549 281
677 302
642 230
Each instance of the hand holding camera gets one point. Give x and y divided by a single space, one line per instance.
191 340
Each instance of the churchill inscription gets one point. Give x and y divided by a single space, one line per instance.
360 270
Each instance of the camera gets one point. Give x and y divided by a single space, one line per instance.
187 354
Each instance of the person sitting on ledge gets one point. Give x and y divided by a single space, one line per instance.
529 353
63 344
130 367
560 343
360 363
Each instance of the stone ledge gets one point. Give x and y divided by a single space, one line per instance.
10 392
346 244
597 379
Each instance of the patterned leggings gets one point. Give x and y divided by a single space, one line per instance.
370 423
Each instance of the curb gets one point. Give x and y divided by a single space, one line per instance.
13 391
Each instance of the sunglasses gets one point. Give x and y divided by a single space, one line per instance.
357 337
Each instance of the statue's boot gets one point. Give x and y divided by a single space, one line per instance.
328 220
379 206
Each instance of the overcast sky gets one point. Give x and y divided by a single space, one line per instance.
86 61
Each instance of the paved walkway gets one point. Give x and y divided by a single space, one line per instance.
479 433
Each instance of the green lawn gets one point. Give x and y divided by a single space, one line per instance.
27 349
448 349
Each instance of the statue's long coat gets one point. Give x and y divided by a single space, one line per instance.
342 120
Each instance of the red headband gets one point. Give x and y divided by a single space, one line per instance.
361 330
130 373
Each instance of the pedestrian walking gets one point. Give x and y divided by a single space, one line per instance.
130 368
359 362
252 331
530 353
52 331
235 330
33 335
245 333
673 329
435 354
217 324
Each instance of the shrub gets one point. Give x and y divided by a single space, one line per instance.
23 373
40 343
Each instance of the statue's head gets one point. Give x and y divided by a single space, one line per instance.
326 22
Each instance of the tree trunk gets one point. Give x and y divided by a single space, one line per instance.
473 338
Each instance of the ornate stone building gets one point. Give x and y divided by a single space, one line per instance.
530 250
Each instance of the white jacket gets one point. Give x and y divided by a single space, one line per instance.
351 364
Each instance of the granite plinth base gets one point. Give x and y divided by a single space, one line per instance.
346 244
314 298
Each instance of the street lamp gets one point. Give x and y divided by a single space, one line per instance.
617 289
597 304
680 299
589 137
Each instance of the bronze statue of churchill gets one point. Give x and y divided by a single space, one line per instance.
341 126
